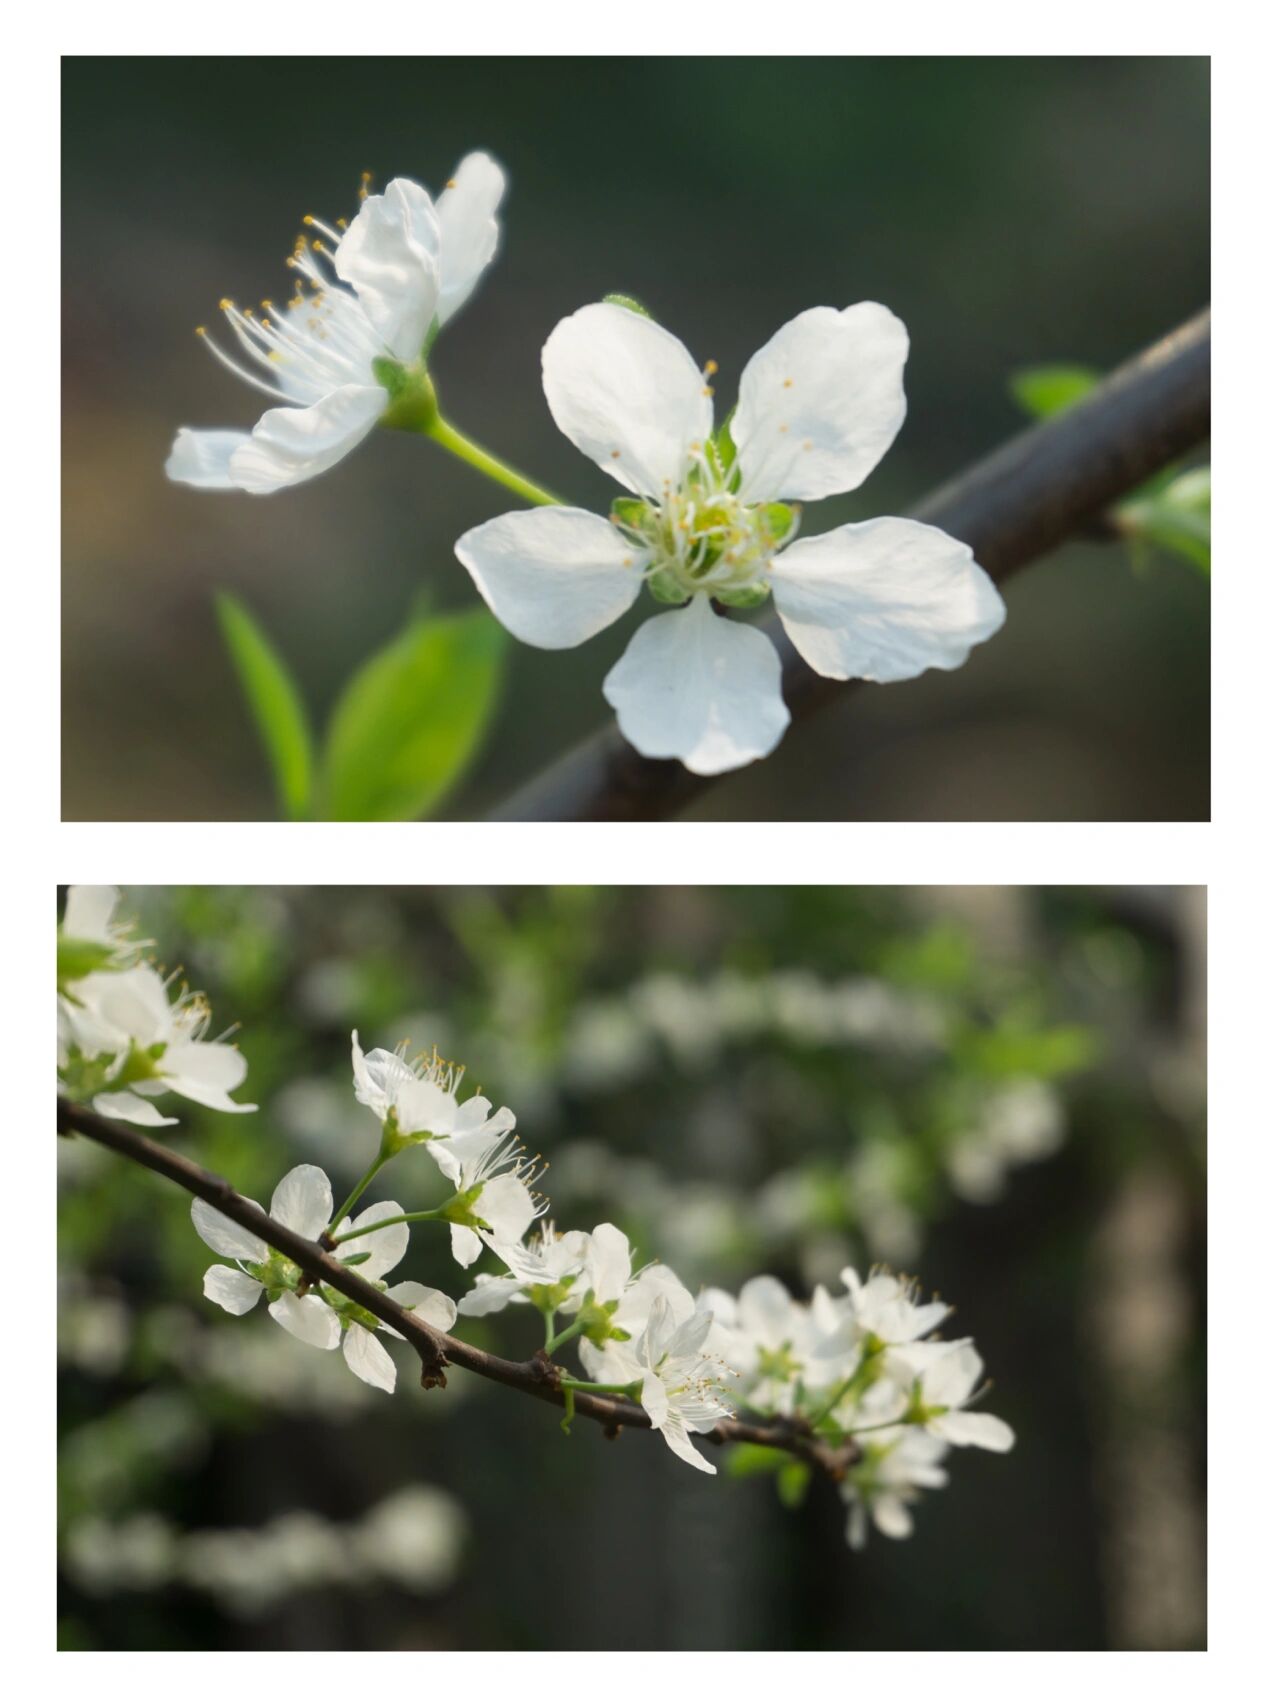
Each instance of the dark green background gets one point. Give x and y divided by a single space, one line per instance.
1011 211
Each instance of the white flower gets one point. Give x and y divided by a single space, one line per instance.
773 1344
303 1201
133 1044
943 1381
492 1177
885 1483
366 296
885 1308
421 1096
620 1302
818 407
681 1388
540 1271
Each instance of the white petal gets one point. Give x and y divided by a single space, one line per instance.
628 394
203 458
303 1201
390 256
434 1307
204 1072
766 1310
307 1318
487 1296
884 600
134 1003
820 403
465 1245
468 229
367 1359
552 576
87 914
608 1264
695 686
231 1289
891 1516
506 1206
124 1104
673 1431
289 445
384 1248
224 1236
963 1427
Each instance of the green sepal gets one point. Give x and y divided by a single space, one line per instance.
78 959
616 300
779 519
632 512
412 405
458 1209
666 588
725 448
742 597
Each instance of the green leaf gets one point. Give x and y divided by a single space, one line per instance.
1176 517
1043 391
275 703
745 1460
793 1483
411 718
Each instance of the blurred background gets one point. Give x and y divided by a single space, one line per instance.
1000 1090
1012 211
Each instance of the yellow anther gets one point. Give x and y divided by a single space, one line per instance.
784 427
308 219
615 454
342 224
452 184
202 331
317 245
708 391
710 368
267 302
808 444
626 562
786 384
226 303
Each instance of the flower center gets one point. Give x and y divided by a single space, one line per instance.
701 537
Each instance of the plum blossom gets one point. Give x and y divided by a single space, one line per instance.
713 518
886 1481
616 1303
943 1381
122 1041
368 300
303 1202
681 1386
415 1099
541 1271
775 1344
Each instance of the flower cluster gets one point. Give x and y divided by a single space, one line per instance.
126 1035
710 519
858 1382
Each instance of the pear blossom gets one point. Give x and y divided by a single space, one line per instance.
303 1201
368 301
122 1042
713 518
681 1387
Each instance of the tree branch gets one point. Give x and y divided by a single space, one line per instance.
1050 482
538 1377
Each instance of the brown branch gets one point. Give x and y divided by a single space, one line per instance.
1049 483
538 1377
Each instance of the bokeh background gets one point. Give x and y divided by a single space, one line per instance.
1011 211
998 1089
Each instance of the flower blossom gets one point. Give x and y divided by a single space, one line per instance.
541 1271
681 1386
320 1315
122 1042
886 1481
369 298
713 518
775 1344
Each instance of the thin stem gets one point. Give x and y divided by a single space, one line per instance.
563 1337
879 1426
632 1390
355 1196
395 1219
450 439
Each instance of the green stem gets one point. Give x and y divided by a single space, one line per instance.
395 1219
450 439
632 1391
549 1321
356 1194
563 1337
879 1426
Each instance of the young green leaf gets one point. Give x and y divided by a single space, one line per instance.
411 718
745 1460
1044 391
1175 516
274 702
